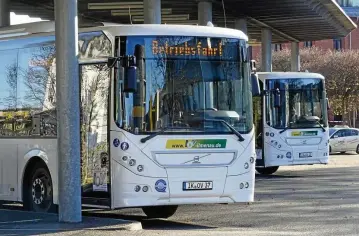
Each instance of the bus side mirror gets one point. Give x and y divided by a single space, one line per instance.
256 90
328 105
277 98
130 80
128 64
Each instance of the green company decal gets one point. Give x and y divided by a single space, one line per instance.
309 133
196 143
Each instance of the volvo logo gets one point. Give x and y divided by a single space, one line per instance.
196 160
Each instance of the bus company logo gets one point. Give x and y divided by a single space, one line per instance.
196 143
160 186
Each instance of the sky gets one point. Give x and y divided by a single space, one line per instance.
21 19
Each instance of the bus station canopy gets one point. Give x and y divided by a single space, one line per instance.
289 20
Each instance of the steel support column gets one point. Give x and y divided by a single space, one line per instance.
204 12
295 57
4 13
241 24
152 11
266 42
68 111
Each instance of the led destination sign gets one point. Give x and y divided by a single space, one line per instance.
187 49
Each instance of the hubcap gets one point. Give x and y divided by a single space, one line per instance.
38 191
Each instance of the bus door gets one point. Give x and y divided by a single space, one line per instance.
95 161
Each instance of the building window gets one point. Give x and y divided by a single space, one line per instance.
277 47
337 44
308 44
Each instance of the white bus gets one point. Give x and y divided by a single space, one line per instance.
291 120
166 117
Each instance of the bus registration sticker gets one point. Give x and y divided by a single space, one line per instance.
201 185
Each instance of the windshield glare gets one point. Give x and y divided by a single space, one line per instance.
185 81
302 103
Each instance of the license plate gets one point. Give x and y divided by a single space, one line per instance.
305 154
201 185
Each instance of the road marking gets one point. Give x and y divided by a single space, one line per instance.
19 221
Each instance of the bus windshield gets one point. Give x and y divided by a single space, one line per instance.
302 103
187 82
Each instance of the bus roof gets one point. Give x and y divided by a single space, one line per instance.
289 75
128 30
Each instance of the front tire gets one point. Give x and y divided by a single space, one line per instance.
38 190
267 170
159 211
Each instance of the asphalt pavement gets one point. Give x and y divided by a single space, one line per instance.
299 200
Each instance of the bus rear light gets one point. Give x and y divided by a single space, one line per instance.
246 165
140 168
132 162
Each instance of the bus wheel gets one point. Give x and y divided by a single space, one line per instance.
159 211
39 191
267 170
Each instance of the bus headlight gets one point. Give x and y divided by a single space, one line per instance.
288 155
241 186
251 160
140 168
145 188
124 158
137 188
132 162
246 165
247 185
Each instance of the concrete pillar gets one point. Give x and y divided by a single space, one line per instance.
266 42
295 58
241 24
204 12
152 11
68 111
4 13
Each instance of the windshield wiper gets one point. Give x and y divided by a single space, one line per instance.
145 139
240 137
321 126
285 129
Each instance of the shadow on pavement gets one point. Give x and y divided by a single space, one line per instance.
153 224
14 222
